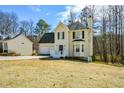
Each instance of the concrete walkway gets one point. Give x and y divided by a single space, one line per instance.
21 57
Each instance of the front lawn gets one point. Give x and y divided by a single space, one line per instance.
59 73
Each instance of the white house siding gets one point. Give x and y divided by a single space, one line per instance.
46 48
20 45
62 28
87 43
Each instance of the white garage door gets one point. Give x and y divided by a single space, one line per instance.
45 50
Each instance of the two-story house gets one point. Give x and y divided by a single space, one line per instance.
73 40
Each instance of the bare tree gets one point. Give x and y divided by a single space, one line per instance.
24 27
31 28
71 17
8 23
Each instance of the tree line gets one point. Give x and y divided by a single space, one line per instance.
109 43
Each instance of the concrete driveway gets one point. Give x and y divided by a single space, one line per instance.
21 57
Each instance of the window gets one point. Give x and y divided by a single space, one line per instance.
82 34
5 47
58 35
77 48
62 35
73 35
82 48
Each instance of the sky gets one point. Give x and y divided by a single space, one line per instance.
52 14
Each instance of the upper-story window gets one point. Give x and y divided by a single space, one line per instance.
82 34
58 35
73 35
61 35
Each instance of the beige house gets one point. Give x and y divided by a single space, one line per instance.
19 44
73 40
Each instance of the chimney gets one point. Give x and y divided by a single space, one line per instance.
89 20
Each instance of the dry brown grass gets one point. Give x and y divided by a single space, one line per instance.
59 73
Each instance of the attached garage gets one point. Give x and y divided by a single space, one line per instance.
46 44
45 48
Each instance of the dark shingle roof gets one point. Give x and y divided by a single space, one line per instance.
76 26
47 38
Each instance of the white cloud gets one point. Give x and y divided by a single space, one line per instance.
48 13
64 14
36 8
77 9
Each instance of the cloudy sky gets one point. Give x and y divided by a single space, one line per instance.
52 14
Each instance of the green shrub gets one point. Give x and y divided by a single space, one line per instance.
34 53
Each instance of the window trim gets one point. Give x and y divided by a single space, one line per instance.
60 35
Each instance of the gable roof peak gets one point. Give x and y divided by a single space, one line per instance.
62 24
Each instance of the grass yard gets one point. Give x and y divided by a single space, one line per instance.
59 73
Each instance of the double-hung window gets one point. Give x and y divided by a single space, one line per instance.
73 35
61 35
82 34
77 48
82 48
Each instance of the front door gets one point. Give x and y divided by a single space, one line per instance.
61 49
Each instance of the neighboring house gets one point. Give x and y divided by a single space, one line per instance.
74 40
18 44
